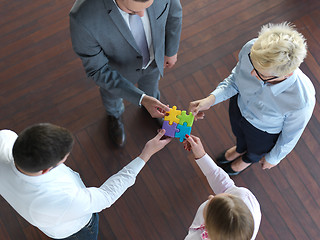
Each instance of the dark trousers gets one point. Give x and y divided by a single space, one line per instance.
88 232
255 142
148 82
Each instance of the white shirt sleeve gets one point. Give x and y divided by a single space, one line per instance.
7 140
93 199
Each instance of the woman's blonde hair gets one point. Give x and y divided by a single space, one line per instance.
227 217
279 49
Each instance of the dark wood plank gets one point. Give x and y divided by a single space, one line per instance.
42 80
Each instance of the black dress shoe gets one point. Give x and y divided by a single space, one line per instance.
221 159
228 169
116 130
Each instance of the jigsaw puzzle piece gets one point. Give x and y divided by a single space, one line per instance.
184 129
172 115
170 129
186 118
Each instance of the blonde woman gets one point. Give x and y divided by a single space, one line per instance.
271 99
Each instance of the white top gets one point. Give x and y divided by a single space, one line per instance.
220 182
58 202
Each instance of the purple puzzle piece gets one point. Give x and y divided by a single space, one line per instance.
170 129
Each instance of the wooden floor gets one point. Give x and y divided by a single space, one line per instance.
42 80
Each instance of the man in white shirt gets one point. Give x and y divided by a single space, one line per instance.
48 194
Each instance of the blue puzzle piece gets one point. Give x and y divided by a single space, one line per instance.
184 129
170 129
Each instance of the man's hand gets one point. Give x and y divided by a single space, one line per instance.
193 143
265 164
154 145
170 61
154 107
196 107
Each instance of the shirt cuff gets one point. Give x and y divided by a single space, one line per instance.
271 160
143 94
136 165
218 93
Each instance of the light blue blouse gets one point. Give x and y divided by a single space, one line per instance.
285 107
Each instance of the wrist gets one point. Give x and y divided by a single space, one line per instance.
144 98
211 99
145 157
198 156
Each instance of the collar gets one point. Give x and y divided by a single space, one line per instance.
47 177
278 88
120 10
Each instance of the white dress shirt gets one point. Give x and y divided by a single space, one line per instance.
220 182
58 202
285 107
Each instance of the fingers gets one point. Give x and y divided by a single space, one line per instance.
162 107
194 110
190 140
187 146
192 107
168 65
165 108
200 115
166 140
160 134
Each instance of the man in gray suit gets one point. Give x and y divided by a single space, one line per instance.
103 37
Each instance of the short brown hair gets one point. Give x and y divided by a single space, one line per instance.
41 146
227 217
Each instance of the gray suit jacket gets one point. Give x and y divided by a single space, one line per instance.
108 50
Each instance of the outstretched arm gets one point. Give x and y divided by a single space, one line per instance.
218 179
95 199
197 107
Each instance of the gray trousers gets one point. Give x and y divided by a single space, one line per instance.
148 82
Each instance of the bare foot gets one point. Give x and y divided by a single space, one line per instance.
239 165
232 154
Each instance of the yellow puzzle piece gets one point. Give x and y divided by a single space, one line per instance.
172 117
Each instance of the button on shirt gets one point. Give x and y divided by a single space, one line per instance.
220 182
285 107
58 202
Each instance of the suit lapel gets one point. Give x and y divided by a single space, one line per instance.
119 22
153 22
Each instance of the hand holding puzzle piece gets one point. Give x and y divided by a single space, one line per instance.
177 123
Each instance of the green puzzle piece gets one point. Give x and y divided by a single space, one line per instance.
186 118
